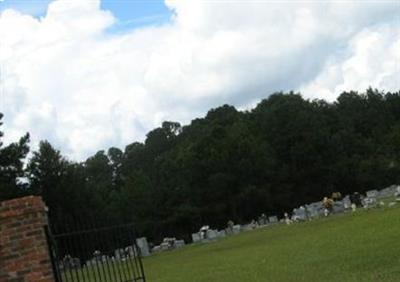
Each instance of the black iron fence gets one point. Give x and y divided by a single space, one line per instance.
107 253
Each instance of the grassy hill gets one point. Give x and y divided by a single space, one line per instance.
351 247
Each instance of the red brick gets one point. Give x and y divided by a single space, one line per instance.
23 247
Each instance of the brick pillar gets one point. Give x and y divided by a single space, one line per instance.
24 254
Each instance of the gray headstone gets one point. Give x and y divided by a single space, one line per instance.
211 234
300 214
196 237
397 193
313 212
372 193
119 254
346 202
221 233
130 251
246 227
179 243
370 202
143 246
386 192
338 207
273 219
156 249
165 246
236 229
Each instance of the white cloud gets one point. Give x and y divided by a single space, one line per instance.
372 58
65 78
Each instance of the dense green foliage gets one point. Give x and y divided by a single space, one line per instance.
230 164
11 167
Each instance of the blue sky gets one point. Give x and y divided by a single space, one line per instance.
130 13
133 13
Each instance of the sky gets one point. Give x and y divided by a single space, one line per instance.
89 74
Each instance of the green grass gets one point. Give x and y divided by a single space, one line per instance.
360 247
364 246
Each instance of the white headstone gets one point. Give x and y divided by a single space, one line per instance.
143 246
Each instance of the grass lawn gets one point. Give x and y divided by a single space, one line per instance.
360 247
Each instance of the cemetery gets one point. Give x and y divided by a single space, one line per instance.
205 140
307 212
310 234
351 205
355 234
347 245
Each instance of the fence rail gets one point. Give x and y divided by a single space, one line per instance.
106 253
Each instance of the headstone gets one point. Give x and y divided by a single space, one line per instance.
221 233
346 202
262 220
315 210
287 219
164 246
156 249
236 229
196 237
300 214
356 199
229 231
246 227
338 207
397 194
130 251
203 231
119 254
143 246
387 192
372 193
370 202
273 219
211 234
391 204
179 243
229 227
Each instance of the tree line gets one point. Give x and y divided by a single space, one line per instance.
229 165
